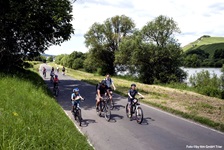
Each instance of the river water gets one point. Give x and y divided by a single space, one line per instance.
193 71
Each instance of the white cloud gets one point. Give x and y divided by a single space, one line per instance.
194 18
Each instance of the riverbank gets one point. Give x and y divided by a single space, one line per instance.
203 109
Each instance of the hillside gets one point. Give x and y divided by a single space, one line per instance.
206 43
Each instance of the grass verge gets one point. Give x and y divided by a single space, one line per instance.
203 109
30 118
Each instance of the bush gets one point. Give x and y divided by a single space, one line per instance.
207 85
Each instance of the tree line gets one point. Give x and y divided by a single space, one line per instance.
200 58
116 45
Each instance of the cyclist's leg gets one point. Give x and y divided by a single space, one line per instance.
129 106
97 102
72 110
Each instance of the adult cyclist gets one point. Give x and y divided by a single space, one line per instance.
110 84
52 74
75 98
101 90
131 96
44 72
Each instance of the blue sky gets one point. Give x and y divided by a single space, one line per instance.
194 18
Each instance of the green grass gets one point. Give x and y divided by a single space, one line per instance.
208 44
31 119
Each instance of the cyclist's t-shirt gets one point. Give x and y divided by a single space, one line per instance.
73 96
56 80
133 92
108 82
52 73
103 90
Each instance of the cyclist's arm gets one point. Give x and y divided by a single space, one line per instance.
113 86
130 95
98 93
140 94
108 92
72 98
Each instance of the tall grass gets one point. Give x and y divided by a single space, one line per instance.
31 119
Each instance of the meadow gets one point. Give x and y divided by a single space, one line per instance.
30 118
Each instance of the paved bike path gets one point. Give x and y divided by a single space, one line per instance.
159 130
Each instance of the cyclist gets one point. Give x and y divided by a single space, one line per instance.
131 96
44 72
57 69
55 81
75 98
63 70
109 83
101 90
52 74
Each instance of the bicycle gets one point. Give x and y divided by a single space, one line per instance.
56 90
135 109
77 114
105 108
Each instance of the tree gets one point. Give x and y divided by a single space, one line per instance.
50 59
28 28
103 40
153 52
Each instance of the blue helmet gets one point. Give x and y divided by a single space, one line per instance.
56 76
76 90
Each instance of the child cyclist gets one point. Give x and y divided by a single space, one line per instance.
75 98
131 96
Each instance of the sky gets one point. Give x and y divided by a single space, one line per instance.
195 18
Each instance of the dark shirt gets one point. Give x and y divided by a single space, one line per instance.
103 90
132 93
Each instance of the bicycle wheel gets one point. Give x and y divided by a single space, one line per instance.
79 117
56 92
139 115
111 104
107 112
127 111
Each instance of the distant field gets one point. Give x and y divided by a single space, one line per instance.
208 44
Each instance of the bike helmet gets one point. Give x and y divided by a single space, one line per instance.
133 85
76 90
103 82
56 76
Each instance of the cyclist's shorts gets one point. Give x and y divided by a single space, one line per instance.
102 95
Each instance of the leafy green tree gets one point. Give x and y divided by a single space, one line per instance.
207 84
153 52
50 59
28 28
104 39
219 54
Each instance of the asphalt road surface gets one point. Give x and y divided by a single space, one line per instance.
159 130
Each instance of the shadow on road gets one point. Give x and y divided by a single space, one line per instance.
86 122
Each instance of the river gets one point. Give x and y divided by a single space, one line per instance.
193 71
